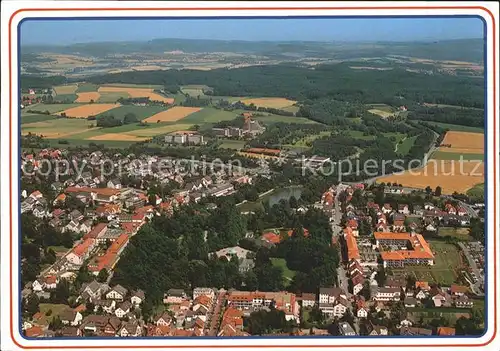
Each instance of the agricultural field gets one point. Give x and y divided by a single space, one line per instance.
126 85
51 108
86 88
269 102
457 128
173 114
133 132
441 155
382 110
193 90
111 97
360 135
451 106
463 141
270 118
65 89
208 115
459 233
66 98
477 191
136 93
141 112
91 96
57 128
32 118
302 143
451 176
84 111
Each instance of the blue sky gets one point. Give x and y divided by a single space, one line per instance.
71 31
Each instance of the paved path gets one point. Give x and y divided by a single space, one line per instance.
475 287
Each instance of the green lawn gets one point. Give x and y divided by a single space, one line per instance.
56 309
359 135
193 92
287 273
112 97
406 145
52 108
382 107
86 87
209 115
439 155
284 119
232 144
66 98
60 126
459 233
32 118
141 112
458 128
446 264
477 191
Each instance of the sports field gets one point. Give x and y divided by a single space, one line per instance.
84 111
173 114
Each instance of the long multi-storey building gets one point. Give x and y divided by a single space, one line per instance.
256 300
412 249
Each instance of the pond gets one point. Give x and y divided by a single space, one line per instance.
282 194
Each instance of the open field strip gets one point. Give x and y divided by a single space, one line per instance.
140 112
210 115
51 108
112 97
149 132
451 176
134 86
57 128
136 93
85 111
269 102
65 89
88 97
86 87
457 127
173 114
270 118
117 137
381 113
32 118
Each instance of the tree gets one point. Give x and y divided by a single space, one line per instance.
381 277
32 304
56 323
428 190
130 118
62 292
438 191
103 275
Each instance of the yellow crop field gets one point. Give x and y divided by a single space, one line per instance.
171 115
152 131
269 102
85 111
137 93
451 176
464 141
88 96
117 136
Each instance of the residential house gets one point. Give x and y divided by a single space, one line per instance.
357 283
458 290
411 331
203 291
376 330
174 296
107 306
329 295
123 309
441 299
137 297
345 329
130 329
308 300
445 331
386 209
68 332
388 294
463 302
81 252
163 319
404 209
117 293
410 302
362 312
114 184
418 210
71 317
93 291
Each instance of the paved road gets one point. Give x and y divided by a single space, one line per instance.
218 310
342 279
475 287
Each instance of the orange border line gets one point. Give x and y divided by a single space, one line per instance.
261 9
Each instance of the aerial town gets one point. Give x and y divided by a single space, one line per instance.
225 188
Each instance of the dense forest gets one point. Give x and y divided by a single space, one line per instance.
461 116
333 81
